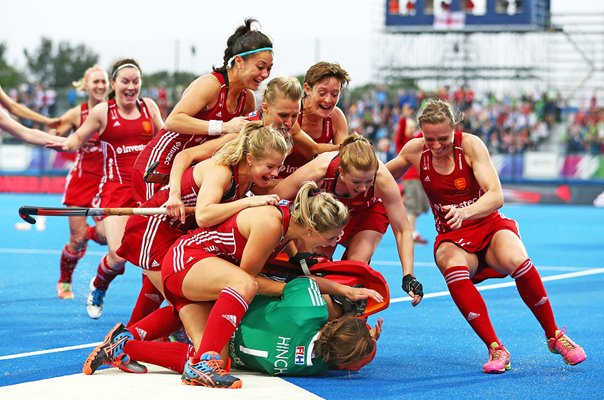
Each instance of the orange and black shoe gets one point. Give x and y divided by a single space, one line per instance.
111 352
209 372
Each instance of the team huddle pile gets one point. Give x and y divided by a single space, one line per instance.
285 179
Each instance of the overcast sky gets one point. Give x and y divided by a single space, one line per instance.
160 34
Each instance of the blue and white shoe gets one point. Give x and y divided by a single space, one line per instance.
94 301
209 372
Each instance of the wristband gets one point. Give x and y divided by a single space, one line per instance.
214 127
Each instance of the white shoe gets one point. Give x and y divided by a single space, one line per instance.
94 301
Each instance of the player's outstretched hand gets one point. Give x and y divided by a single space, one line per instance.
413 288
361 293
58 145
376 331
53 123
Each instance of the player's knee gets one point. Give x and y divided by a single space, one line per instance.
116 263
246 285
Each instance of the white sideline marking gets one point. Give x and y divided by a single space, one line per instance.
41 352
593 271
158 383
570 275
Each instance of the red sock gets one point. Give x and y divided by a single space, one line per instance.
68 263
470 303
171 355
92 234
532 292
222 321
149 300
105 274
158 324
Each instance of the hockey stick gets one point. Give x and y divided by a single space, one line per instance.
151 176
26 212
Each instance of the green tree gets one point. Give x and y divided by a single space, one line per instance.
40 61
60 65
70 63
10 77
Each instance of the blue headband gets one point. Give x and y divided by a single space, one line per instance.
247 53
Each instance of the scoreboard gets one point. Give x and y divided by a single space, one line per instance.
424 16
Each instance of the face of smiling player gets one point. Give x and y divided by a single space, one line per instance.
254 69
127 86
323 97
96 85
265 169
438 138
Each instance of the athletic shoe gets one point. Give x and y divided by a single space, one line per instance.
499 359
126 364
111 352
94 301
571 352
419 239
64 290
209 372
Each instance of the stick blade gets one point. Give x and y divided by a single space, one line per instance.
26 212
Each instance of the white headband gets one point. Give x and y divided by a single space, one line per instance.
123 66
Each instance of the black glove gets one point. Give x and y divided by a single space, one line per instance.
410 284
310 259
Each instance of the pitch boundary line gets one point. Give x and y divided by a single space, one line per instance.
570 275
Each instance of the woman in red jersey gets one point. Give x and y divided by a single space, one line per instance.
280 109
219 187
125 124
320 117
212 105
302 314
357 178
474 241
220 264
83 179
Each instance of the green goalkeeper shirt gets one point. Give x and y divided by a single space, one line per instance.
277 334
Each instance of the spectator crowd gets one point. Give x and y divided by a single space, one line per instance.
508 124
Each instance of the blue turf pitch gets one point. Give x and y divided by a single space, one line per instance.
427 352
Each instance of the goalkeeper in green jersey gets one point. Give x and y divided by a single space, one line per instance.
291 334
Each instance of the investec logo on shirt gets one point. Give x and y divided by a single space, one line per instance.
130 149
175 149
288 169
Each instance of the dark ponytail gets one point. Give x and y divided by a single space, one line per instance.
245 39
